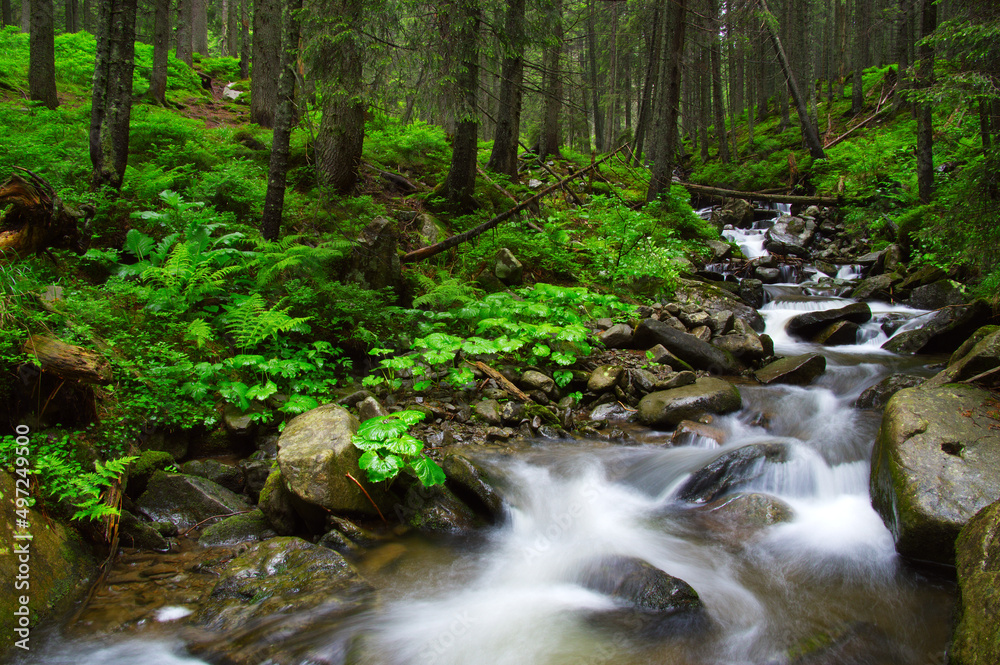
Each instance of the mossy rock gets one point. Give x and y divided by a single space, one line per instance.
60 566
143 467
977 636
250 527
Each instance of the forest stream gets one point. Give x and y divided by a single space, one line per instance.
808 575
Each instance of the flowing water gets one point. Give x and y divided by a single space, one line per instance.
829 575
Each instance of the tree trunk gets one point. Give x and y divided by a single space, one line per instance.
809 130
35 219
112 98
244 38
550 140
718 105
161 49
199 26
666 121
337 64
88 16
503 158
274 199
652 67
595 95
266 61
460 182
925 128
26 16
185 16
42 54
5 15
861 38
72 16
903 41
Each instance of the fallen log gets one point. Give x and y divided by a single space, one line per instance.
448 243
760 196
67 361
501 380
38 220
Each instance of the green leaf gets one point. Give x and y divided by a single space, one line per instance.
405 445
262 392
562 377
380 468
427 471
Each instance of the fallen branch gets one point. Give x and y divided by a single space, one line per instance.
760 196
448 243
982 375
67 361
501 379
878 110
576 199
503 191
369 497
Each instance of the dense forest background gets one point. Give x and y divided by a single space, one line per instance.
213 162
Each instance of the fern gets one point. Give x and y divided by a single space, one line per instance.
272 259
251 321
448 293
199 332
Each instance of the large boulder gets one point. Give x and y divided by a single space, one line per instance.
879 287
983 357
311 585
736 212
507 268
667 408
185 500
810 324
785 244
687 347
942 293
943 331
60 568
715 298
838 334
748 347
374 259
977 558
794 370
250 527
935 464
472 483
315 454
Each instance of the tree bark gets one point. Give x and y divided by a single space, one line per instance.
26 16
199 26
185 16
460 182
265 62
925 127
42 54
717 100
652 67
161 49
244 38
5 15
72 8
503 158
112 96
35 219
860 55
596 96
337 64
760 196
88 16
809 131
274 198
666 122
552 89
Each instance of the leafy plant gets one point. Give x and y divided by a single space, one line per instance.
389 448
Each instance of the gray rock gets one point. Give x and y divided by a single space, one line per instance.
736 212
720 250
695 318
943 332
877 396
436 509
752 292
617 336
512 414
687 430
935 464
605 378
976 640
785 244
755 511
731 469
838 334
922 276
474 485
249 528
943 293
879 287
690 349
767 275
187 500
721 322
255 471
613 412
678 380
507 268
534 380
970 343
704 333
639 585
659 355
666 408
239 423
134 533
794 370
338 542
749 347
809 324
315 454
370 407
277 504
230 477
275 575
642 381
489 411
430 229
714 298
374 258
